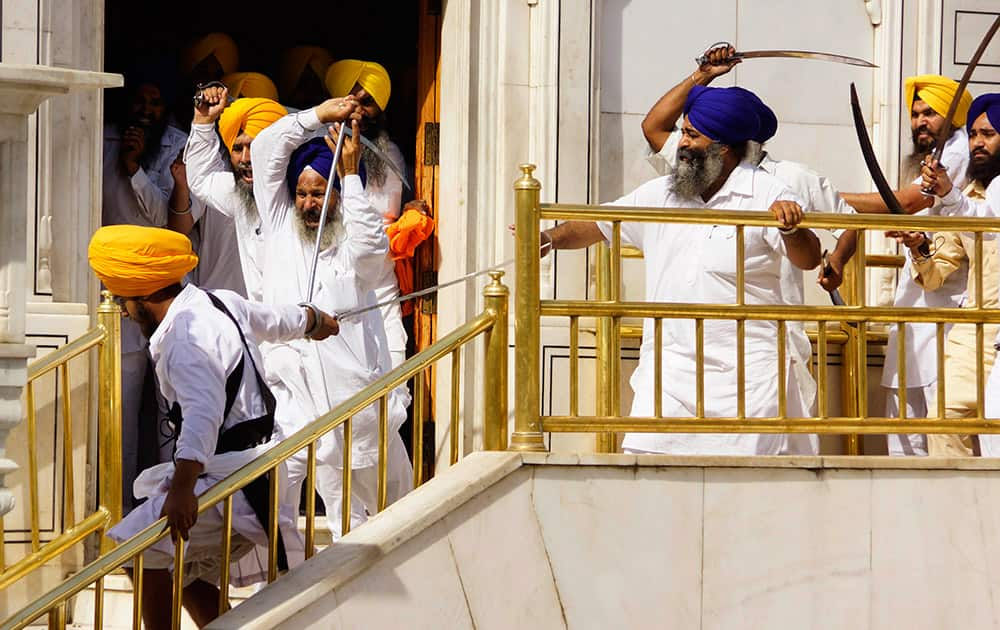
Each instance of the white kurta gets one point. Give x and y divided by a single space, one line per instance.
921 344
211 180
311 378
194 348
697 264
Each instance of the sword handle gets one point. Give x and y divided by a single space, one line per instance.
703 59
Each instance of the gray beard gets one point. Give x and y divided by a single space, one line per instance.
331 234
375 167
694 176
244 192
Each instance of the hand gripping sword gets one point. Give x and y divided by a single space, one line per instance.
946 128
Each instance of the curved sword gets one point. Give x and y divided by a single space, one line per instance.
377 151
946 129
788 54
884 190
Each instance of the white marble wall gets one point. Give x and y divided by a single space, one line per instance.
652 542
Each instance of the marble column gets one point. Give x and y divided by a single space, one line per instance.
22 89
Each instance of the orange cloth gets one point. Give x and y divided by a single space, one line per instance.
135 261
294 62
219 45
409 231
343 75
937 91
250 84
251 115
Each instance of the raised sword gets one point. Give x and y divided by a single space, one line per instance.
787 54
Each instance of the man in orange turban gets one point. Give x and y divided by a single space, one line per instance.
209 372
228 188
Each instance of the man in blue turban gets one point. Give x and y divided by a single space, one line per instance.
697 264
308 379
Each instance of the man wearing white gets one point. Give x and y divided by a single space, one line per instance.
696 264
928 98
204 351
310 379
229 188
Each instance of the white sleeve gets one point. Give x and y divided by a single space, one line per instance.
366 243
664 161
956 204
208 178
632 233
270 153
199 382
274 324
152 199
393 188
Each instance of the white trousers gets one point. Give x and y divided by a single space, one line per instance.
364 484
919 401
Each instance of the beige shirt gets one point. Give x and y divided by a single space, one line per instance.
951 251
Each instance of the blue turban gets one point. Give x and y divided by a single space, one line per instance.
317 156
729 115
988 104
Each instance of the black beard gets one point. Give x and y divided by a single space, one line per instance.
375 167
245 193
698 170
984 171
922 146
143 317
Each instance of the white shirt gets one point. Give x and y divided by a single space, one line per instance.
697 264
195 348
138 200
921 339
212 182
313 377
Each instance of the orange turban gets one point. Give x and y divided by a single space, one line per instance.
937 92
252 84
295 61
251 115
407 232
343 75
219 45
134 261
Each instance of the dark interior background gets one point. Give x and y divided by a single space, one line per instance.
382 31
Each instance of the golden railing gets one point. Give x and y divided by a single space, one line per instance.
609 309
106 338
492 324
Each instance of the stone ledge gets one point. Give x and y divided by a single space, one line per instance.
787 461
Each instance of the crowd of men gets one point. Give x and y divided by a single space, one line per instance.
211 216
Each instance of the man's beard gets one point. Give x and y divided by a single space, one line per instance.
375 167
923 146
698 170
331 234
983 171
244 191
144 318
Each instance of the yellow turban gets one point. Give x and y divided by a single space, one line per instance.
295 61
252 84
134 261
220 45
252 115
937 92
342 76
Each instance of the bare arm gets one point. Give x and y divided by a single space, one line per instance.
571 235
659 123
833 276
910 198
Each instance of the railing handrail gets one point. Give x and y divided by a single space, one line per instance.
90 339
256 468
821 220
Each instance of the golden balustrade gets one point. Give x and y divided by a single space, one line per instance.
491 324
105 338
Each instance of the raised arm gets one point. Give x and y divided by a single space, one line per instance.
207 176
661 120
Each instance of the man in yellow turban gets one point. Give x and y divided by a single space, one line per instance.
227 189
926 98
250 84
209 372
369 83
301 76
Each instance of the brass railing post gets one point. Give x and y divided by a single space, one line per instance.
109 412
604 351
495 296
527 334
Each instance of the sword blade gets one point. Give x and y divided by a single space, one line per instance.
326 209
945 132
379 152
805 54
884 190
